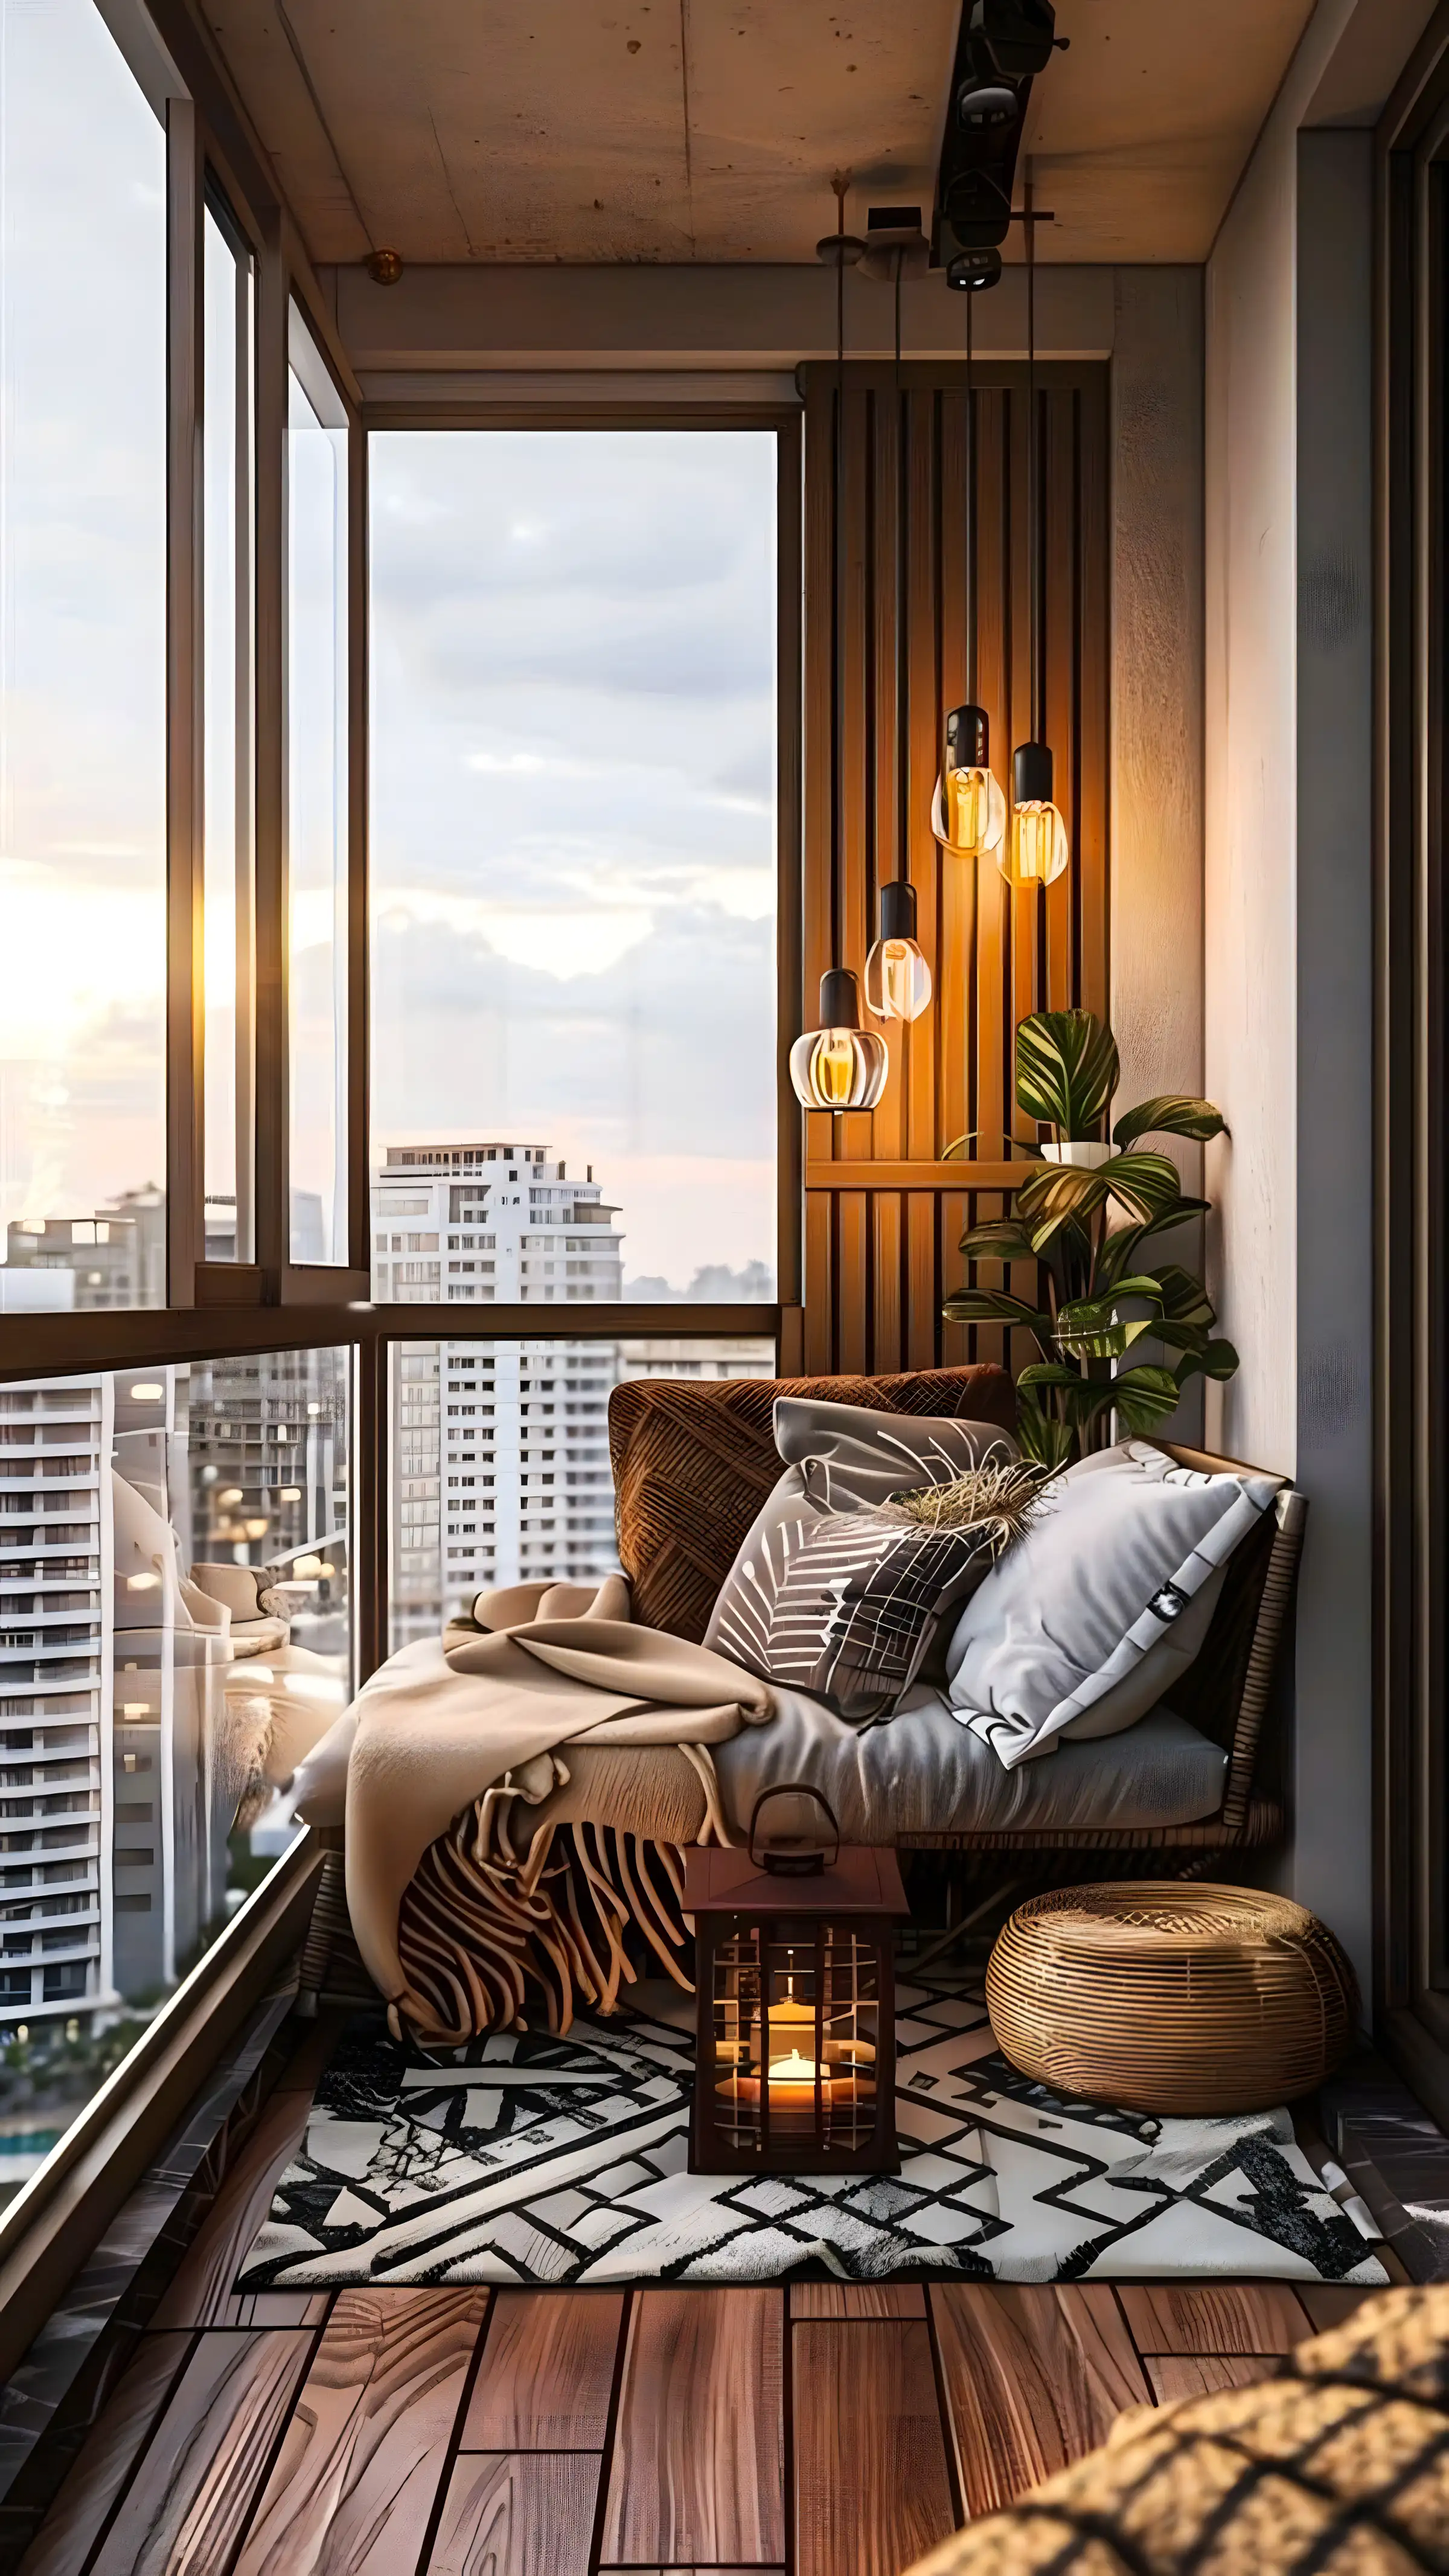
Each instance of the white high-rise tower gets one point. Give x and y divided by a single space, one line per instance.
500 1449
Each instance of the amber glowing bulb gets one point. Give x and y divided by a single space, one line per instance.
840 1065
969 815
897 978
1036 850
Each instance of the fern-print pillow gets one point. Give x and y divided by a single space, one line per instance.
847 1606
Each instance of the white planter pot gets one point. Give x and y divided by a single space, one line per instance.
1086 1157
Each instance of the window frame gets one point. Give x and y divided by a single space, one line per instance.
1411 1358
238 239
787 424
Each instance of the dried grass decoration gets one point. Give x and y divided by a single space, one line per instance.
1001 1501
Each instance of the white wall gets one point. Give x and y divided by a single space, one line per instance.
1287 895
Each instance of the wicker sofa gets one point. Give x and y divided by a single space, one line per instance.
694 1461
1178 1794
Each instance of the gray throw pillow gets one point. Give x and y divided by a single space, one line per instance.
1120 1551
845 1605
841 1457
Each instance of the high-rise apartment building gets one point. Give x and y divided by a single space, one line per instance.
56 1637
117 1257
500 1449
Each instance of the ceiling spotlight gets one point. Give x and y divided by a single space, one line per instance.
971 270
977 207
384 267
1015 36
985 107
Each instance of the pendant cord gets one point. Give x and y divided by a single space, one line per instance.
902 859
837 640
1033 550
970 513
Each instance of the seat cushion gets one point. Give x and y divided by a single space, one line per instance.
926 1773
694 1462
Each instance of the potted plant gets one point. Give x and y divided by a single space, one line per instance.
1085 1214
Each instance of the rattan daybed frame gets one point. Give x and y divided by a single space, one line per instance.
691 1464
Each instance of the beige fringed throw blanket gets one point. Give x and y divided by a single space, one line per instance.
475 1720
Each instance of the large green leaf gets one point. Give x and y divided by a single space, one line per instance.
1001 1239
1066 1070
1122 1248
1058 1191
1146 1185
1081 1398
993 1306
1144 1396
1171 1113
1181 1337
1184 1297
1092 1328
1042 1436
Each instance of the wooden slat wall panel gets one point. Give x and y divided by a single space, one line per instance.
879 1260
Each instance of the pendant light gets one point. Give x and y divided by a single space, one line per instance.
839 1065
897 977
968 815
1035 852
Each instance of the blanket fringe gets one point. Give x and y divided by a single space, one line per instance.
482 1933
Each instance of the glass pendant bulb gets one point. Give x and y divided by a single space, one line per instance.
969 815
840 1065
897 978
1036 850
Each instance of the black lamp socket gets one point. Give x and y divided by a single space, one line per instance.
1033 773
839 999
898 910
968 738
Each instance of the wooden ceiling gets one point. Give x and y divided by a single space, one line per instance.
678 130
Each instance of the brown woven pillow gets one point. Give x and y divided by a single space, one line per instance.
693 1462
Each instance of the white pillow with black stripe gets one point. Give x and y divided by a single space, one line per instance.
1067 1631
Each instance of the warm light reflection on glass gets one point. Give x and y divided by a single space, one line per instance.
897 980
975 815
1036 853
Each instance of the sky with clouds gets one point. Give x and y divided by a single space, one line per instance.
82 616
573 815
573 741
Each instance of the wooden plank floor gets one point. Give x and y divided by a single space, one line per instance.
815 2429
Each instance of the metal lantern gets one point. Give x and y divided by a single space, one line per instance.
795 2054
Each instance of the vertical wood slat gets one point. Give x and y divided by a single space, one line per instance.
1094 653
876 1269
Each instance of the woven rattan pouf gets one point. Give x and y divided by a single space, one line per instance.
1172 1998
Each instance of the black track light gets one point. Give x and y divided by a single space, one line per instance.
986 107
977 207
1015 37
971 270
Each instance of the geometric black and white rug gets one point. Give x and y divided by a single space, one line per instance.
521 2158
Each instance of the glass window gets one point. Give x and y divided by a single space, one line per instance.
317 833
227 399
573 748
82 667
175 1633
499 1461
